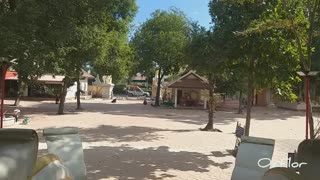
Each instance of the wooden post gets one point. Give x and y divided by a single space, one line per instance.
307 105
3 81
175 97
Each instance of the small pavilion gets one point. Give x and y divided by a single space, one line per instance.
189 91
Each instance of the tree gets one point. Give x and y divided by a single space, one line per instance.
203 55
79 31
160 42
233 81
301 19
230 17
119 60
259 52
17 40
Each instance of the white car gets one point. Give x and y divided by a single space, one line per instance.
136 91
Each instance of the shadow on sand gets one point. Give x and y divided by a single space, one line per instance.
125 134
136 109
149 163
125 162
115 134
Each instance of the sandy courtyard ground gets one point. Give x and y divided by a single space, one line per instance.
129 140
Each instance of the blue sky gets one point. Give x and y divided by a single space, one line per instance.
197 10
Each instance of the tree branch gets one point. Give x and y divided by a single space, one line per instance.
302 58
311 29
163 74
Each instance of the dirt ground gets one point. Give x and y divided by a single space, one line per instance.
129 140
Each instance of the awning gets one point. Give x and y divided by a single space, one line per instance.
47 79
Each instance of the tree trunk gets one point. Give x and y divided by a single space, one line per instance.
311 122
312 14
78 94
211 104
157 103
57 98
240 103
253 103
300 96
62 97
249 97
57 91
19 92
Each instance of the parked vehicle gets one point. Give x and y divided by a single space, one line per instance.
136 91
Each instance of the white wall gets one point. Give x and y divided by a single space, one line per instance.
84 85
73 89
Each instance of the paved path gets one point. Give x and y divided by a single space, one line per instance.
128 140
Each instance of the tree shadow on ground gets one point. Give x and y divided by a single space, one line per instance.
126 162
149 163
220 154
125 134
39 107
136 109
189 116
115 134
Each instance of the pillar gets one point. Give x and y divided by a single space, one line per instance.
205 104
175 97
269 97
25 90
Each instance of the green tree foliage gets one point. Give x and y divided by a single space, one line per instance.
202 55
17 40
119 60
160 42
300 19
59 37
266 56
82 31
233 81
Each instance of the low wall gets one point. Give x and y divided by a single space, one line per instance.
83 97
95 91
292 106
101 90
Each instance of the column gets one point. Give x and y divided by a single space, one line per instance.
25 90
175 97
269 101
205 104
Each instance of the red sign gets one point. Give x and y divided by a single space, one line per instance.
11 75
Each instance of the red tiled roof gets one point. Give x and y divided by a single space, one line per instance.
13 75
